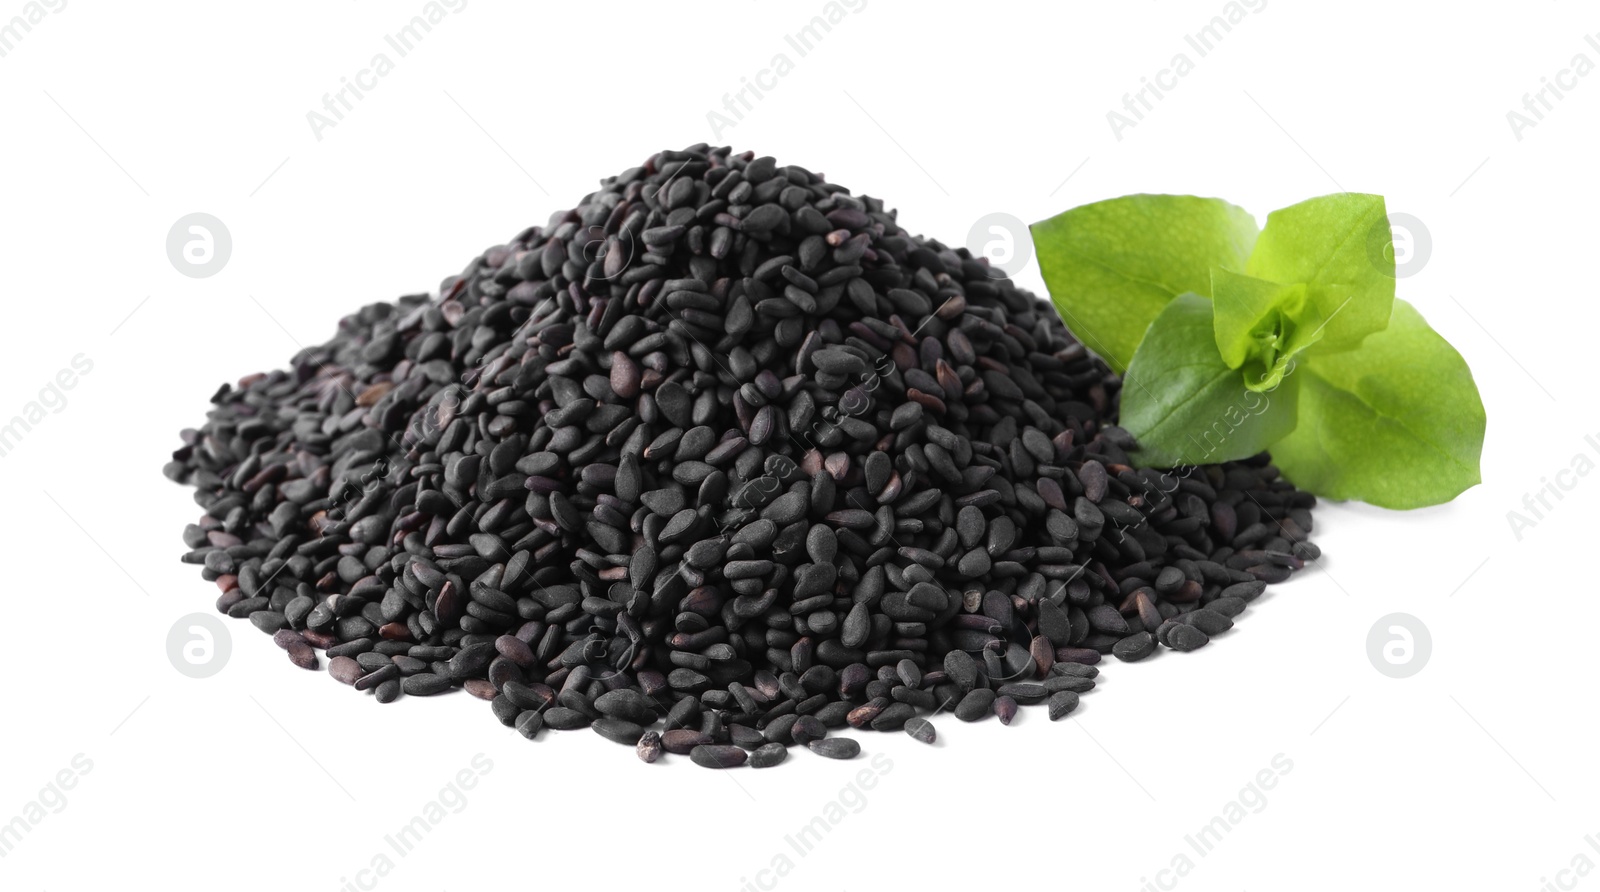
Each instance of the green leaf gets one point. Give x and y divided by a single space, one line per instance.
1326 244
1247 312
1183 403
1113 265
1397 423
1256 327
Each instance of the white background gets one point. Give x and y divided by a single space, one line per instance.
119 118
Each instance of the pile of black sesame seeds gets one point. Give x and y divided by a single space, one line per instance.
716 463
